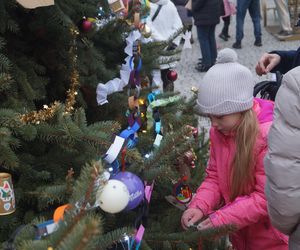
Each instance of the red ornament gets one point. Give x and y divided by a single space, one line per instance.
172 75
86 25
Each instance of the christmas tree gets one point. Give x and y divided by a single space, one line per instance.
54 134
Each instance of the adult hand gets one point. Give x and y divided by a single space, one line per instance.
205 224
266 63
190 217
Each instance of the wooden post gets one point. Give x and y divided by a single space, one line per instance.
295 14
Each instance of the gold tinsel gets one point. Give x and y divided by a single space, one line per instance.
48 112
41 115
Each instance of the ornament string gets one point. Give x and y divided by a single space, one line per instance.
142 218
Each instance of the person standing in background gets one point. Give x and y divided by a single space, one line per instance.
164 22
254 10
284 18
229 10
186 19
206 15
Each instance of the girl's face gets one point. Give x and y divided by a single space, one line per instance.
225 123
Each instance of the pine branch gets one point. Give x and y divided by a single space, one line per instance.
2 42
69 133
4 63
113 237
12 26
24 85
91 174
80 118
9 118
37 245
5 82
8 158
90 231
70 181
166 145
49 195
106 127
190 235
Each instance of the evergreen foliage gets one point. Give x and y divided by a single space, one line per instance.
45 158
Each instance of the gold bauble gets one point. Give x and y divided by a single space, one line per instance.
146 31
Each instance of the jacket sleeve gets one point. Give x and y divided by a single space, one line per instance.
248 209
208 195
282 163
286 61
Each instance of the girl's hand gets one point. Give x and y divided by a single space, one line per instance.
190 217
206 224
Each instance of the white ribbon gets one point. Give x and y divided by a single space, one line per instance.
117 84
132 37
114 150
112 86
187 40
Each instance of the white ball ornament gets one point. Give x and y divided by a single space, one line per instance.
113 197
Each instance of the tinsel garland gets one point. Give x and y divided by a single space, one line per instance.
48 111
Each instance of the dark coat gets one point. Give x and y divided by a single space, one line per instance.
183 12
206 12
289 60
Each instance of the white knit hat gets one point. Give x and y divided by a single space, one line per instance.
227 87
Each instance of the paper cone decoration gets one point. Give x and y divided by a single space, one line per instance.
32 4
7 197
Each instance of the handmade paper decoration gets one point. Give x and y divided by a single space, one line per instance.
7 197
32 4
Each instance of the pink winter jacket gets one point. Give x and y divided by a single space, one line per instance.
249 212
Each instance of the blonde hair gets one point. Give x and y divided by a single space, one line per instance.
242 173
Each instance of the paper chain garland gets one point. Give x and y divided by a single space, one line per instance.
117 84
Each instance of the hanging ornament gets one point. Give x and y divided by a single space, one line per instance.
145 82
32 4
194 131
135 187
85 25
172 75
189 158
113 197
182 192
145 30
7 197
116 5
143 114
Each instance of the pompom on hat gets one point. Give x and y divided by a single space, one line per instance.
227 87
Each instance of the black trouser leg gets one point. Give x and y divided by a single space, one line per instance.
226 21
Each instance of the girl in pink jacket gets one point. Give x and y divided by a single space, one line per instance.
233 190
